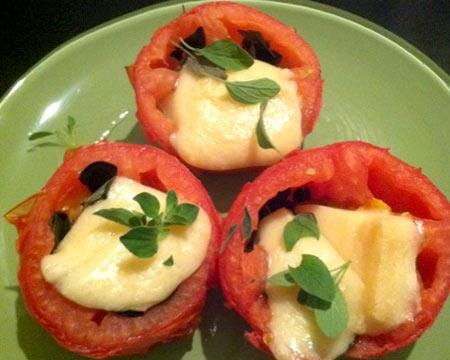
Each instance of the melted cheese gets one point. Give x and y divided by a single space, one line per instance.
214 132
294 333
92 268
382 248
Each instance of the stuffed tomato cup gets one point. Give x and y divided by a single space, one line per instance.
339 249
225 86
117 251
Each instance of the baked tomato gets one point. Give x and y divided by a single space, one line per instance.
346 175
97 333
156 69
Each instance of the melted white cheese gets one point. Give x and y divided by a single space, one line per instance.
294 333
382 248
92 268
214 132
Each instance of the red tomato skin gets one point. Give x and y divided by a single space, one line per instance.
154 72
100 334
346 174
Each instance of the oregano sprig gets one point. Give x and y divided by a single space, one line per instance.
63 138
303 225
150 225
319 291
225 55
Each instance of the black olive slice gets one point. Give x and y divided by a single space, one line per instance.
259 48
288 198
97 174
60 225
197 39
130 313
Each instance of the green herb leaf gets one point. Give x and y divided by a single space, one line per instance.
247 225
163 233
340 271
64 137
99 194
151 226
313 276
70 124
253 91
303 225
282 278
227 55
312 301
169 261
39 134
261 134
171 202
183 214
334 320
44 144
118 215
148 203
230 234
141 241
202 67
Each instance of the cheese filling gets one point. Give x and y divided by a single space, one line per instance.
380 286
215 132
93 268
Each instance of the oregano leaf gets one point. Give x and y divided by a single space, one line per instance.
252 91
261 134
334 320
148 203
230 234
118 215
141 241
39 134
169 261
303 225
201 67
282 278
247 225
313 276
227 55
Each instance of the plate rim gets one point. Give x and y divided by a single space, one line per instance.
410 50
329 9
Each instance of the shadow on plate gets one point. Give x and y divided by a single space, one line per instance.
37 344
135 136
223 188
222 333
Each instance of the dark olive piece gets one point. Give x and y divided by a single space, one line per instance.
130 313
259 48
288 198
60 225
197 40
97 173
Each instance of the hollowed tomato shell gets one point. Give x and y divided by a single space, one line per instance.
97 333
154 73
346 175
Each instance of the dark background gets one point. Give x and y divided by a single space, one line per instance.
31 29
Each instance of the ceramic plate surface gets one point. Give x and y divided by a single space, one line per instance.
377 88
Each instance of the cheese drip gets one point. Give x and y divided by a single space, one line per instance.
215 132
93 268
375 303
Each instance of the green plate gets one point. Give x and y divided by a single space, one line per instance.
377 88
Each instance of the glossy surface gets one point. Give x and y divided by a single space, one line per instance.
377 88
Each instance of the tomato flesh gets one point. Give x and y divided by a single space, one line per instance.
97 333
345 175
154 71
